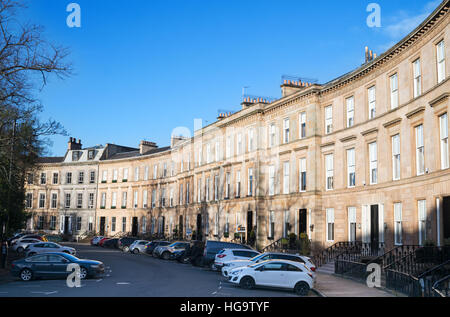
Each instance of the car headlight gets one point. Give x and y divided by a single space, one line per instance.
236 272
95 266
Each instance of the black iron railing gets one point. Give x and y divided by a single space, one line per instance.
362 251
403 283
355 270
429 278
395 254
337 249
442 287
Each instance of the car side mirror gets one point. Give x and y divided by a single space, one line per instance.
261 268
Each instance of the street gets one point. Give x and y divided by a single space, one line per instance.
129 275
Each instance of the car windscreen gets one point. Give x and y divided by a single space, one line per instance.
70 257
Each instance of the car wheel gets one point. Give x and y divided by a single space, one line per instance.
136 251
301 288
247 282
19 250
126 249
165 255
26 275
83 273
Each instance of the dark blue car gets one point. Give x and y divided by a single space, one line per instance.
54 265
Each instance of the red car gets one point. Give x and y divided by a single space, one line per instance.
100 243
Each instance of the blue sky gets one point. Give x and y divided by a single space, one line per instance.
145 67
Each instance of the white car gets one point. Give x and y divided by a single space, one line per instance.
21 245
275 274
44 247
138 246
228 266
227 255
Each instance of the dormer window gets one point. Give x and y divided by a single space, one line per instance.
76 155
91 154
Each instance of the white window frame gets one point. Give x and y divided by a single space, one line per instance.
250 183
351 222
394 91
396 162
420 150
417 76
373 163
302 169
350 102
302 125
398 238
440 57
351 168
330 220
271 180
372 102
329 119
329 172
286 177
114 200
286 132
443 136
422 221
272 135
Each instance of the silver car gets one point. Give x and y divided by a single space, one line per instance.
138 246
20 246
43 247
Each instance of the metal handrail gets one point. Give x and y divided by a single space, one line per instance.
435 286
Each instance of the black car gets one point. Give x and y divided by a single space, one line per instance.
54 265
125 242
111 243
152 245
213 247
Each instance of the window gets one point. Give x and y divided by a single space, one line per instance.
199 190
200 155
239 144
373 164
422 221
271 180
154 196
125 174
91 201
228 147
55 178
286 131
251 142
146 173
398 224
80 201
302 175
394 91
207 198
330 224
91 154
216 150
286 178
78 224
135 199
208 153
351 172
440 61
286 225
396 157
91 223
114 200
113 224
103 201
352 224
115 176
43 178
216 187
145 199
372 102
302 125
67 201
350 111
104 176
29 200
250 182
76 155
155 172
30 178
271 225
124 199
69 178
180 195
41 200
124 224
187 193
165 169
328 119
92 177
420 151
54 201
227 185
272 135
238 184
136 174
443 122
417 78
40 224
329 166
144 224
52 222
80 177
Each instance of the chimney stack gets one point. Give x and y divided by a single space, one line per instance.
73 145
146 146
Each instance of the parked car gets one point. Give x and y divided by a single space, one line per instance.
138 246
44 247
111 243
16 236
54 238
100 243
166 252
274 274
227 255
20 246
29 236
96 240
125 242
54 265
214 247
192 251
151 246
229 265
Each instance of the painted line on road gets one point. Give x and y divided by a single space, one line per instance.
45 293
123 283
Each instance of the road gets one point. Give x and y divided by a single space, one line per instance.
129 275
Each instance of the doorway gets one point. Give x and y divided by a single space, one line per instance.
249 225
180 226
199 228
102 225
374 229
446 217
302 222
134 227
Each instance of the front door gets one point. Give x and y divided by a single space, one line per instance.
446 217
302 225
66 225
374 228
102 226
134 228
199 227
180 226
249 224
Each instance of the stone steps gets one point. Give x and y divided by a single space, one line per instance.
327 268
